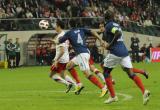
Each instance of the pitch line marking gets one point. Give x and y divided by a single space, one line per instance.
126 97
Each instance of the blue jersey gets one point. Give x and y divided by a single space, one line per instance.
77 39
118 48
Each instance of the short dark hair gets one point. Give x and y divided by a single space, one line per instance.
109 14
60 23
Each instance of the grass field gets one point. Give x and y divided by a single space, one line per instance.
29 88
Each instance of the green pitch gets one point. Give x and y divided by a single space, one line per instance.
30 88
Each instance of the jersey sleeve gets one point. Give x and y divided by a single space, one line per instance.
111 28
64 37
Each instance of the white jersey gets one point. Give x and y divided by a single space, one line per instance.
65 56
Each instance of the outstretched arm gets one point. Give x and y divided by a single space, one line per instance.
95 34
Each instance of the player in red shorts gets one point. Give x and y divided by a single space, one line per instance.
61 59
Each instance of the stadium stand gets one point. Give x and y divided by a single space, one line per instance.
130 13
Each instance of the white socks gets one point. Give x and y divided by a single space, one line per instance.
69 79
100 75
59 79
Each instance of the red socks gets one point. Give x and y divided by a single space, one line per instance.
135 70
139 83
95 81
74 75
109 84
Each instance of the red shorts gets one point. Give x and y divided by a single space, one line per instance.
60 67
91 61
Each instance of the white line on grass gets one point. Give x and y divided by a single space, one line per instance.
126 97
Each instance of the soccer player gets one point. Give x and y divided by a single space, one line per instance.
118 54
77 36
135 70
60 61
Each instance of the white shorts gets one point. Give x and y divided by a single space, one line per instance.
82 60
111 61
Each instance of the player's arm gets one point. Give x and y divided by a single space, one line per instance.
62 39
62 50
8 47
95 34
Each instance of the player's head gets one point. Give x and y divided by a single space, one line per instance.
101 26
109 15
59 25
73 23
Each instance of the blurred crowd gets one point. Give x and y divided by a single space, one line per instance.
144 12
45 54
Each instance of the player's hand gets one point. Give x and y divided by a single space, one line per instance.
106 46
56 63
102 43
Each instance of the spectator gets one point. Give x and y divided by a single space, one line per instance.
148 52
2 13
18 9
135 48
148 22
28 14
143 52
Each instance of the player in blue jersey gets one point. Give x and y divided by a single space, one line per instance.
118 54
76 37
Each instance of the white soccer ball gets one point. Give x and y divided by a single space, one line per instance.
44 24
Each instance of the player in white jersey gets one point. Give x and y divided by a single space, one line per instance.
60 61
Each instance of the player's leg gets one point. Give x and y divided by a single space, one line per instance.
83 62
109 63
136 70
67 78
102 66
14 61
70 67
57 78
109 83
9 61
97 72
127 65
74 74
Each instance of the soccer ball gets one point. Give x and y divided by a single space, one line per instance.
44 24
